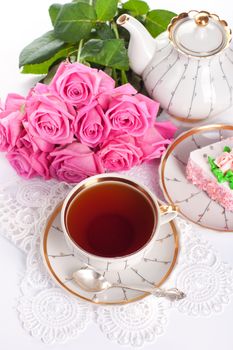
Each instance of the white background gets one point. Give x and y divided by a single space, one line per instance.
21 21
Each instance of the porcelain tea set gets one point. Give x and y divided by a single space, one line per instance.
189 70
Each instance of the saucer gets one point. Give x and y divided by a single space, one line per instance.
193 203
154 269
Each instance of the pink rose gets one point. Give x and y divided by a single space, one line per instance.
120 153
225 162
11 121
26 140
131 114
26 162
166 129
49 118
126 89
20 160
74 163
40 163
36 143
1 106
80 85
91 125
10 129
4 144
152 144
15 102
105 98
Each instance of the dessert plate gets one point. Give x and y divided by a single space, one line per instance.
154 269
193 203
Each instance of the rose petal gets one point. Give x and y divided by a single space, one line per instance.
74 163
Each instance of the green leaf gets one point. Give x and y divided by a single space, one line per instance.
104 31
136 7
110 53
158 20
75 21
106 10
43 68
84 1
52 71
54 10
41 49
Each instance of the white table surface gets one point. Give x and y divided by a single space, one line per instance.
20 22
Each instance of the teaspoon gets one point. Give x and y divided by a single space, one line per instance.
92 281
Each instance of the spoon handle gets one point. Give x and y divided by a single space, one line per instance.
171 294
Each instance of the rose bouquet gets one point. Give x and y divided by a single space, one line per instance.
80 125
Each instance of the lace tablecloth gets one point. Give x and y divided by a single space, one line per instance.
50 314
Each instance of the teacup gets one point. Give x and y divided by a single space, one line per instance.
110 221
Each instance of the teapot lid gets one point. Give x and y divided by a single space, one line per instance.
199 34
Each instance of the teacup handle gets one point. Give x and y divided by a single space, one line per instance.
168 213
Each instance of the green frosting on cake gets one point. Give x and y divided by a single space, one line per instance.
217 172
226 149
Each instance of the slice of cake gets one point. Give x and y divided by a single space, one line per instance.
211 169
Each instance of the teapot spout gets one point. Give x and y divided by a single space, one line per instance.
141 45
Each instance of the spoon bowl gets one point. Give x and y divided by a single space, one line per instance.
91 281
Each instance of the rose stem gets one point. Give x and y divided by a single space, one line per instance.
114 75
124 78
79 50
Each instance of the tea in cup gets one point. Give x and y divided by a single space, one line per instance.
111 221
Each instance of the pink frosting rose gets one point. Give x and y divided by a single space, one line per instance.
91 125
10 129
225 161
80 85
131 114
74 163
120 153
152 144
49 118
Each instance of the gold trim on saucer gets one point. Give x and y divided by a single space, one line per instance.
171 148
58 281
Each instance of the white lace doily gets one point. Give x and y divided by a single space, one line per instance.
50 314
134 324
201 274
25 204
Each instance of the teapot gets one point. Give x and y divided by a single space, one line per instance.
188 68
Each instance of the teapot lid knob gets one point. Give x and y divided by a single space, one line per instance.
202 19
199 33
